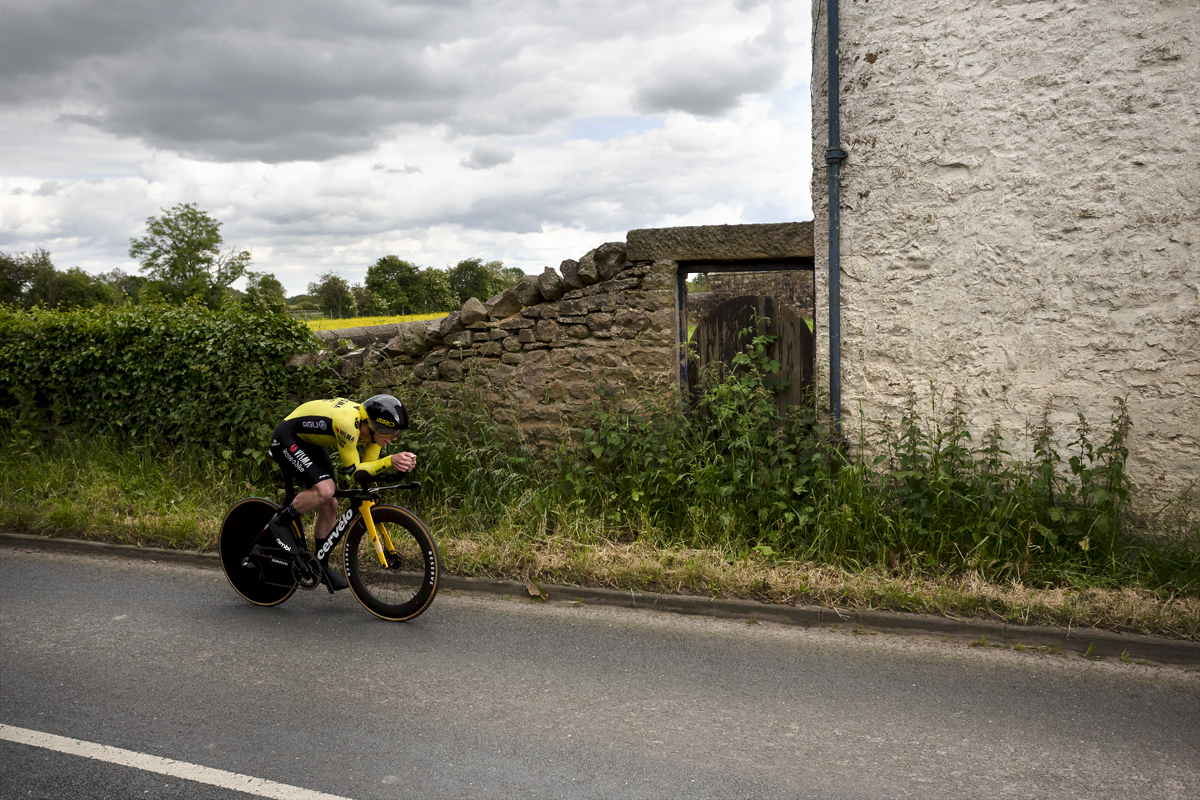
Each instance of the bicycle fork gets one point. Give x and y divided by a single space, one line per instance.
380 540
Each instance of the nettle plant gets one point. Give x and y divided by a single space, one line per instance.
727 469
730 471
940 498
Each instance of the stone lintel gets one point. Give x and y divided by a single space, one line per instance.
721 242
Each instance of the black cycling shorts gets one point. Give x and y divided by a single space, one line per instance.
298 458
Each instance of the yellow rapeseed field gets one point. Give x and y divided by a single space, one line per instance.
363 322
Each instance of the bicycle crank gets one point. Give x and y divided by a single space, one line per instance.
306 569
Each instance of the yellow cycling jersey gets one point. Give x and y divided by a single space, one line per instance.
334 423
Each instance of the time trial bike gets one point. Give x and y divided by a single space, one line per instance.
390 557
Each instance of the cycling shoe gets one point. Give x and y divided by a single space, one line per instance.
332 578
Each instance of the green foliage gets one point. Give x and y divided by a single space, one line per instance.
726 474
466 460
404 288
126 288
30 279
395 282
366 303
472 277
698 283
333 295
730 474
182 252
729 471
264 291
185 375
18 271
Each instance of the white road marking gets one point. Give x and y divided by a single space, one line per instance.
163 766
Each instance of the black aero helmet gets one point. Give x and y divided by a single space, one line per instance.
385 414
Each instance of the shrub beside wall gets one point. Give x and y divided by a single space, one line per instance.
187 374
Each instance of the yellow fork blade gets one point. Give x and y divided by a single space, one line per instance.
374 534
386 538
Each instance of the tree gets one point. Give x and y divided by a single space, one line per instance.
396 283
366 303
19 271
182 251
77 289
126 288
471 277
30 279
438 294
263 290
333 294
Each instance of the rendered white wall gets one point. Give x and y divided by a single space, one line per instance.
1020 215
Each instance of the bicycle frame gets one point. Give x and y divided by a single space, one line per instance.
362 500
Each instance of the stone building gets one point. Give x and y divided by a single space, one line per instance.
1020 208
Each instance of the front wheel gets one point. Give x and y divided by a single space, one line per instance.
407 585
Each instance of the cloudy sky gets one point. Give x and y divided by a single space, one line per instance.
325 134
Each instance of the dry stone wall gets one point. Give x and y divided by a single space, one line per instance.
1020 216
538 354
793 288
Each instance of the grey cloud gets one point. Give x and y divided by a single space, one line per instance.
486 155
711 83
242 81
573 204
47 189
313 80
408 169
705 89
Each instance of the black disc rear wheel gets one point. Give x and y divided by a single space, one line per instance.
262 585
407 585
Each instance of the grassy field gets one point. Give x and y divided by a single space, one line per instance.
363 322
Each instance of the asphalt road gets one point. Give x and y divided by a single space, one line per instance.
487 697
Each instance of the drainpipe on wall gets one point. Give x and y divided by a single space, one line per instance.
834 157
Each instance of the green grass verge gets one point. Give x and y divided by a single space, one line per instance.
105 490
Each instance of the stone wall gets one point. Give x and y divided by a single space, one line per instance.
1020 215
537 354
794 288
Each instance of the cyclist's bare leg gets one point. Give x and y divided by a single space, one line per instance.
326 514
320 496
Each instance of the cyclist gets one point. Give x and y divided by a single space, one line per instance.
299 445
